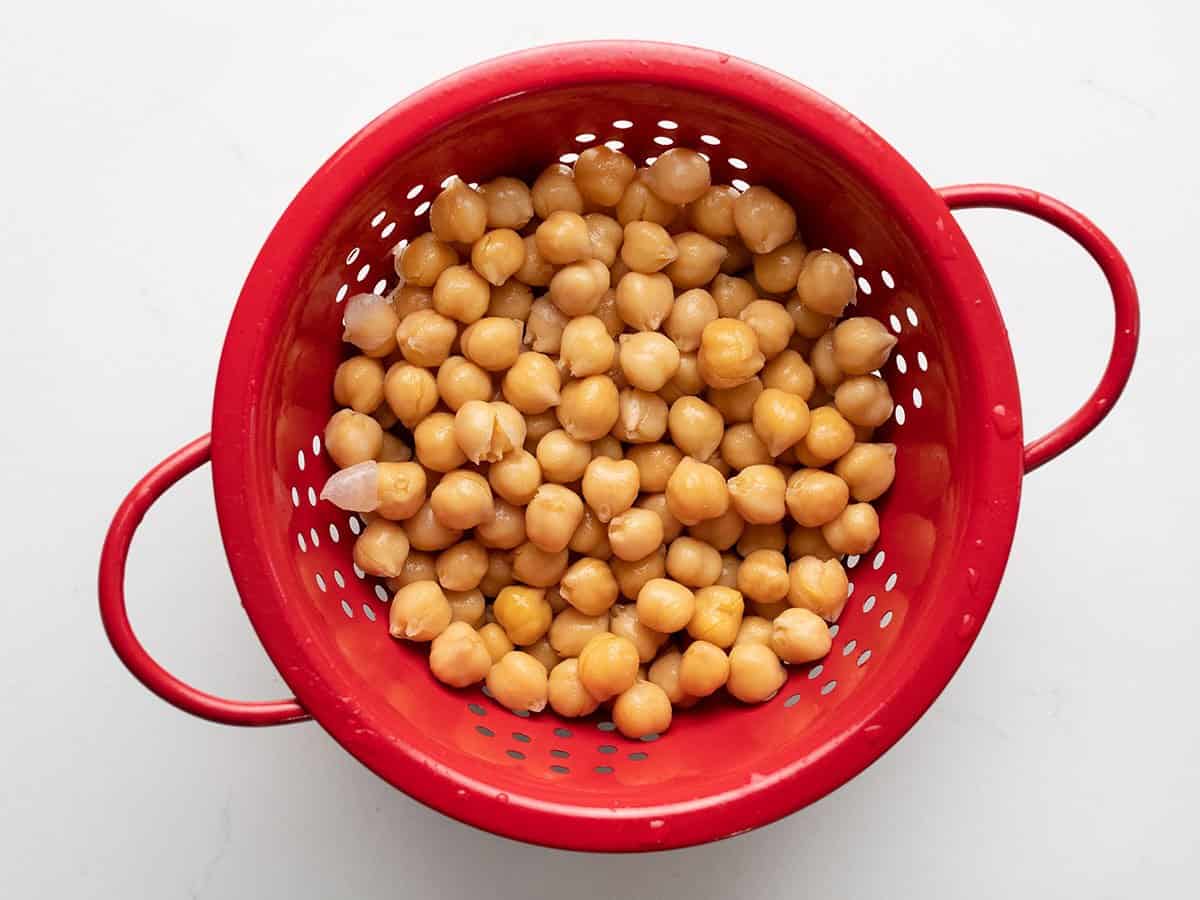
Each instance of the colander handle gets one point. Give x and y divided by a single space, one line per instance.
116 620
1120 281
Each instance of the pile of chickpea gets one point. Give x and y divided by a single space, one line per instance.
622 406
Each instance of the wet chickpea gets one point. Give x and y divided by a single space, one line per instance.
826 283
425 337
731 295
763 219
424 259
763 576
606 311
486 431
679 176
648 359
776 272
606 235
818 585
815 497
467 607
642 710
632 576
829 436
411 393
692 311
459 380
602 174
552 517
590 586
537 426
537 567
736 404
576 289
696 491
712 212
566 693
864 400
458 656
519 681
544 653
555 190
808 324
635 533
703 669
462 500
458 214
533 384
789 372
492 343
381 549
509 203
591 537
523 613
697 262
624 622
426 533
665 606
762 537
562 458
505 529
855 529
499 574
588 408
686 382
495 641
498 255
400 489
370 324
828 373
644 301
741 447
352 437
808 542
722 532
358 384
639 203
780 419
757 493
655 463
408 298
608 666
754 630
696 427
610 487
657 504
641 417
418 566
664 672
563 238
729 353
693 563
516 476
772 326
461 294
647 247
769 611
419 612
512 300
608 447
755 673
868 470
394 449
861 345
800 636
536 270
571 630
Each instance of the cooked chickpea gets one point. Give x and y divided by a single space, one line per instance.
696 427
532 385
498 255
458 214
640 203
552 517
518 681
780 419
499 574
566 693
537 426
554 190
426 533
462 500
763 576
588 408
624 622
776 272
492 343
400 487
808 542
505 529
523 613
763 219
608 665
516 476
610 487
829 436
571 630
693 563
861 344
576 289
712 212
536 270
512 300
679 176
655 464
789 372
435 445
657 504
544 653
754 630
741 447
868 470
647 247
717 617
641 417
370 324
459 380
424 259
771 324
864 400
563 238
815 497
418 566
632 576
606 235
425 337
458 656
757 493
644 301
461 294
467 606
736 404
642 710
829 374
664 605
755 673
486 431
855 529
352 437
537 567
808 324
698 260
664 672
561 458
419 612
703 669
818 585
408 298
495 641
635 533
411 393
729 353
800 636
607 447
826 283
648 359
722 532
381 548
509 203
762 537
591 537
589 586
696 491
731 295
358 384
606 311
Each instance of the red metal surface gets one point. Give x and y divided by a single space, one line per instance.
919 598
1120 281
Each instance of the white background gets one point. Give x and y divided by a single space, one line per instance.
146 153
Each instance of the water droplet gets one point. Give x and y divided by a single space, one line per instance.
657 823
1006 421
503 798
966 625
461 792
979 542
972 578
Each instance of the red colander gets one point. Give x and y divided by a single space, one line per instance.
918 598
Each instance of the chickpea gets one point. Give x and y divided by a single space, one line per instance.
642 710
462 500
679 176
755 673
777 271
606 235
408 298
589 586
868 470
567 695
509 203
435 444
459 214
537 426
712 212
499 574
563 238
400 487
763 576
608 666
693 563
665 606
762 537
492 343
703 669
641 417
648 359
426 533
523 613
424 259
358 383
588 408
664 672
635 533
591 537
536 270
419 612
561 458
686 382
731 295
495 641
657 504
800 636
696 491
771 324
552 517
537 567
754 630
780 419
571 630
815 497
352 438
461 294
532 385
789 372
486 431
460 381
818 585
692 311
808 542
381 549
824 365
736 404
829 436
411 393
632 576
498 255
370 324
624 622
729 353
763 219
741 447
516 476
606 311
855 529
458 656
577 289
861 345
640 203
467 607
505 530
644 301
418 566
647 247
519 681
864 400
757 493
610 487
826 283
722 532
511 300
698 261
808 324
544 653
554 190
655 464
769 611
425 337
608 447
696 427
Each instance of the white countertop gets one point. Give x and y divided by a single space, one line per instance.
147 154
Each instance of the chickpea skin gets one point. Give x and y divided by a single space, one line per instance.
419 612
370 324
755 673
519 681
458 656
